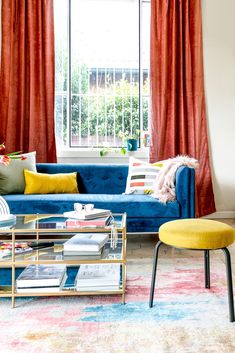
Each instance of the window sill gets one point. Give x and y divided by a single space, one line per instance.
73 155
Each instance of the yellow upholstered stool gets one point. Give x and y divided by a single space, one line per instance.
198 234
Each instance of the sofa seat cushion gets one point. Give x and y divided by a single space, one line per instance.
134 205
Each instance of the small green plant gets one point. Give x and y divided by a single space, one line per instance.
105 150
124 135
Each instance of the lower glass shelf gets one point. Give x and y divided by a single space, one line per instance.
68 285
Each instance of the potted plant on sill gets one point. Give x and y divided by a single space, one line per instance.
131 140
130 143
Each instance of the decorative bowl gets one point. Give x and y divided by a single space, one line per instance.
7 220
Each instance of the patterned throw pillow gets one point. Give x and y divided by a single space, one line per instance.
142 176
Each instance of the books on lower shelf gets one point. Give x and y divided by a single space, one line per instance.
41 276
85 215
43 289
83 243
55 278
98 277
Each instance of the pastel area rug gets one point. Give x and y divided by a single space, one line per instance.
186 317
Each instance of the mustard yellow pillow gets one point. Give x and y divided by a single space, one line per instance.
42 183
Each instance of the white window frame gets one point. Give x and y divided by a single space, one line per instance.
89 154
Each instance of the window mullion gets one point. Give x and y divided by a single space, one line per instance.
114 107
69 87
122 92
80 104
97 107
140 72
105 105
130 93
88 108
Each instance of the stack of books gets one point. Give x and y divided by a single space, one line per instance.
97 222
94 218
84 246
98 277
41 279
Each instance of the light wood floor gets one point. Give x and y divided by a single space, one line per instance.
140 251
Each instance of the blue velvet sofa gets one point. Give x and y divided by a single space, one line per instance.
103 185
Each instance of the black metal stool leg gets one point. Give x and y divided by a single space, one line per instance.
155 258
229 284
207 268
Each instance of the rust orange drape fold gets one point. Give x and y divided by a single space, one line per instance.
178 117
27 77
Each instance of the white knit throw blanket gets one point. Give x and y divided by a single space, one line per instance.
165 186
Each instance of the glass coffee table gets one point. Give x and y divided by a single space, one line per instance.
52 228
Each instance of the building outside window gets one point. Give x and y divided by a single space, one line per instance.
102 71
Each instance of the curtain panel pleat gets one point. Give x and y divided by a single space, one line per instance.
27 78
178 113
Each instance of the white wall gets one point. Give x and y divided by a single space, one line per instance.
219 67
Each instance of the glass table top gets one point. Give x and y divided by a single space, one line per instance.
52 223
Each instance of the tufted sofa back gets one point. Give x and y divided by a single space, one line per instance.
92 178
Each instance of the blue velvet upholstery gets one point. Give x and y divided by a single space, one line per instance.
185 191
103 185
93 179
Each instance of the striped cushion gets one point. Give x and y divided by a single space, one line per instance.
142 176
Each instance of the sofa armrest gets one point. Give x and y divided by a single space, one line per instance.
185 191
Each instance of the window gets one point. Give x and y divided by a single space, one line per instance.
102 70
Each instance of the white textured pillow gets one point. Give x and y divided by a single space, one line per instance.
12 176
142 176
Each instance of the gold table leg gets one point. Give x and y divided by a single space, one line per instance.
124 241
13 271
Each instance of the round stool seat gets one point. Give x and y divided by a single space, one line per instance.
196 234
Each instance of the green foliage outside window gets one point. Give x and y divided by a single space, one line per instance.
111 107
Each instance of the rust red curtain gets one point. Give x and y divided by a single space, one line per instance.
178 118
27 77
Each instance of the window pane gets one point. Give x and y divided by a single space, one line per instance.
61 70
145 51
104 71
104 56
